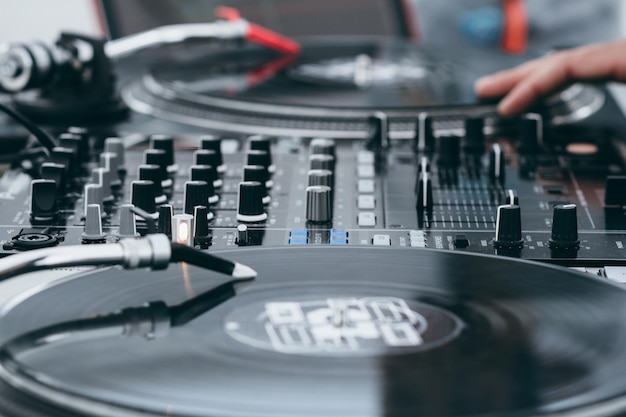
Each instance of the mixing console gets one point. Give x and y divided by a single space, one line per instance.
556 197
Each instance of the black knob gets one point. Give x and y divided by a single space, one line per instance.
449 150
75 142
615 191
511 197
323 146
165 143
325 162
257 157
196 194
319 205
202 233
424 191
321 177
378 134
206 173
206 157
508 227
497 164
166 212
474 135
214 143
83 134
262 143
64 156
56 172
530 133
159 158
143 195
564 227
43 207
259 174
424 133
250 208
153 173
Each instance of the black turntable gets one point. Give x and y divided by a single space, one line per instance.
380 202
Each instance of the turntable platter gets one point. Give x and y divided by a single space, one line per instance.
444 334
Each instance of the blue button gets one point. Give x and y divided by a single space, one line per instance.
296 241
338 241
300 233
341 234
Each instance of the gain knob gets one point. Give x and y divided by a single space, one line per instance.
214 143
153 173
143 196
564 227
319 204
259 174
166 144
262 143
197 193
159 158
508 227
206 173
250 208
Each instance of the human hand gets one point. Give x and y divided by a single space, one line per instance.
523 85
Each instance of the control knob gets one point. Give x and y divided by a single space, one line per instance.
564 227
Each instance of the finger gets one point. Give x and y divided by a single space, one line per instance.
502 82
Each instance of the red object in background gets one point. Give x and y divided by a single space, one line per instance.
515 31
260 35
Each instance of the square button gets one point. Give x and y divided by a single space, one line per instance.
366 202
366 171
366 219
365 157
381 240
366 186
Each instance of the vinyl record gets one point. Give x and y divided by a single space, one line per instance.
324 331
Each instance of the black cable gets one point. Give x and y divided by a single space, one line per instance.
42 137
184 253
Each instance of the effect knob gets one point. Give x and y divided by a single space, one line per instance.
509 227
166 144
320 177
250 208
159 158
449 150
262 143
564 227
530 133
206 173
474 135
153 173
318 204
259 174
164 225
201 231
323 146
197 193
214 143
257 157
143 195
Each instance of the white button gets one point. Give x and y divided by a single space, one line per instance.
616 273
367 202
367 186
418 244
381 240
366 171
365 157
366 219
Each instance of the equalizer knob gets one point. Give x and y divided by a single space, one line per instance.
166 144
259 174
257 157
262 143
319 204
110 161
214 143
320 177
564 227
143 195
153 173
197 193
128 223
322 146
206 173
116 146
509 227
449 150
250 208
474 135
158 157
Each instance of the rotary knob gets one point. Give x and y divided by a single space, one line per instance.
56 172
323 146
508 227
474 135
259 174
250 208
318 204
564 227
166 144
102 176
153 173
75 142
116 146
159 158
262 143
110 161
325 162
143 195
206 173
197 193
449 150
214 143
128 223
258 157
320 177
